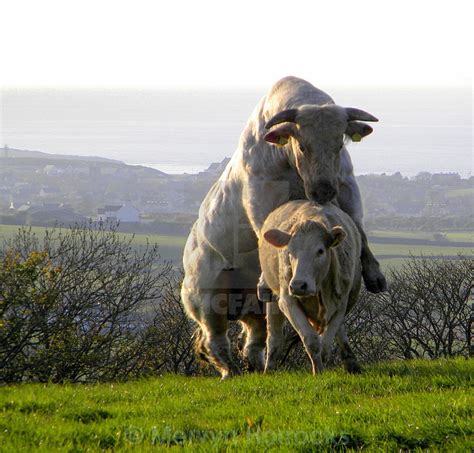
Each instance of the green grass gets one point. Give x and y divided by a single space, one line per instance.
390 407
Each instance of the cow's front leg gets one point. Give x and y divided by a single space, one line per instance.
350 201
310 338
275 336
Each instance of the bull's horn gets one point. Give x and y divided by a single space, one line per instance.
285 116
359 115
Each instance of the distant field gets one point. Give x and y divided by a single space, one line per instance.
406 250
399 406
460 192
460 236
171 247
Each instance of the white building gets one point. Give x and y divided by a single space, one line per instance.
125 213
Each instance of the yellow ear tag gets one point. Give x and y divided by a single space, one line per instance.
356 137
282 141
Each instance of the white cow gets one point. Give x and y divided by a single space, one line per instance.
310 257
302 156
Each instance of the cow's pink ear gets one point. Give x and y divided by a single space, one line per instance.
277 238
280 135
337 235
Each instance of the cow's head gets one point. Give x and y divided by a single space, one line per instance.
316 136
309 253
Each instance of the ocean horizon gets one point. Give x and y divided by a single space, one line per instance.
184 131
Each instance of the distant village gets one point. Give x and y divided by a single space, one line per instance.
48 189
44 189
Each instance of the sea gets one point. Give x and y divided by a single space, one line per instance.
183 131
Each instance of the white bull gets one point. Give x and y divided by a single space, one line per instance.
302 156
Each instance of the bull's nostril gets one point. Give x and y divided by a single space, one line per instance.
304 286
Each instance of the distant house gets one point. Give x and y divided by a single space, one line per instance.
125 213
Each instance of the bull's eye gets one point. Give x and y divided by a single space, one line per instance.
302 148
321 252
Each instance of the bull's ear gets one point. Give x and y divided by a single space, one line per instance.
356 130
280 135
336 236
277 238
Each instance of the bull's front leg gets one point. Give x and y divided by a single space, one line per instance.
349 200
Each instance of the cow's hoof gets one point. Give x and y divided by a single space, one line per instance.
375 282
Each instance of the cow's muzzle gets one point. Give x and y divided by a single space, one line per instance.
300 288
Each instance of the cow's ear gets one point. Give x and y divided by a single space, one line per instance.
277 238
280 135
336 236
356 130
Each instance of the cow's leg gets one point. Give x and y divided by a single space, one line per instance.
275 336
350 201
254 347
347 355
331 330
310 338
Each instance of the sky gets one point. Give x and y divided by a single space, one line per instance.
238 43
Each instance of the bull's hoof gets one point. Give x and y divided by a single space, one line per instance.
226 374
375 282
353 367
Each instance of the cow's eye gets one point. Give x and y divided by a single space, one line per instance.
320 252
302 148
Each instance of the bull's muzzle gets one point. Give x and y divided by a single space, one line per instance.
322 193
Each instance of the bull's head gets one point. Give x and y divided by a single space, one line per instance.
316 135
308 246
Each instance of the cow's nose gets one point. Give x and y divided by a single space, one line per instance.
323 192
298 287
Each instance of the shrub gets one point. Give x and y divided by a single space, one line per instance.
73 305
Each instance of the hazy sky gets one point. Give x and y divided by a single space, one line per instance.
239 43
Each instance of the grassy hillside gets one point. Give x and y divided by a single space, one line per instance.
390 407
